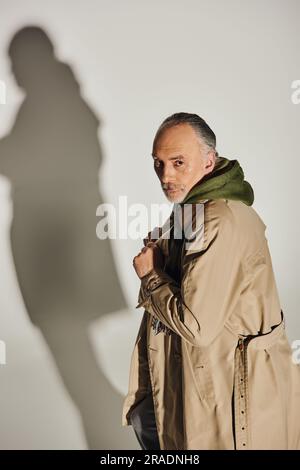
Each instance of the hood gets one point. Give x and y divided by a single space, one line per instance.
226 181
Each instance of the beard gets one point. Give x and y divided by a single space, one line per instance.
175 193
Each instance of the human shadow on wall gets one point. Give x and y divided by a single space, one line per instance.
67 275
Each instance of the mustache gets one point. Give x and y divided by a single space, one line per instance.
172 186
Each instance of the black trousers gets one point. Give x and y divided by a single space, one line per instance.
142 418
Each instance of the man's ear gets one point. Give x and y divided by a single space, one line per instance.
210 161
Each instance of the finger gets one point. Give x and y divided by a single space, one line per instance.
155 233
135 259
151 243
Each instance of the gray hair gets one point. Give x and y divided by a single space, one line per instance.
196 122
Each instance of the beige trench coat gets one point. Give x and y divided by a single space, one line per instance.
223 376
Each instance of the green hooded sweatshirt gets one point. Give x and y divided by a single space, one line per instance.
226 181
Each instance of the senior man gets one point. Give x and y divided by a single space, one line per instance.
211 367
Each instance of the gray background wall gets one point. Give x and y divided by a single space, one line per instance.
130 64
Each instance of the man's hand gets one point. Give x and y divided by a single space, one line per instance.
149 257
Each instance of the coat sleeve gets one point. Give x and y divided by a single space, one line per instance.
210 285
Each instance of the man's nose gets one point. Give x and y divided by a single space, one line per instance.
167 174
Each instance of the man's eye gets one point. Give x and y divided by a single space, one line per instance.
178 162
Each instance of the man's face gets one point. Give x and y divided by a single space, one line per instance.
180 161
